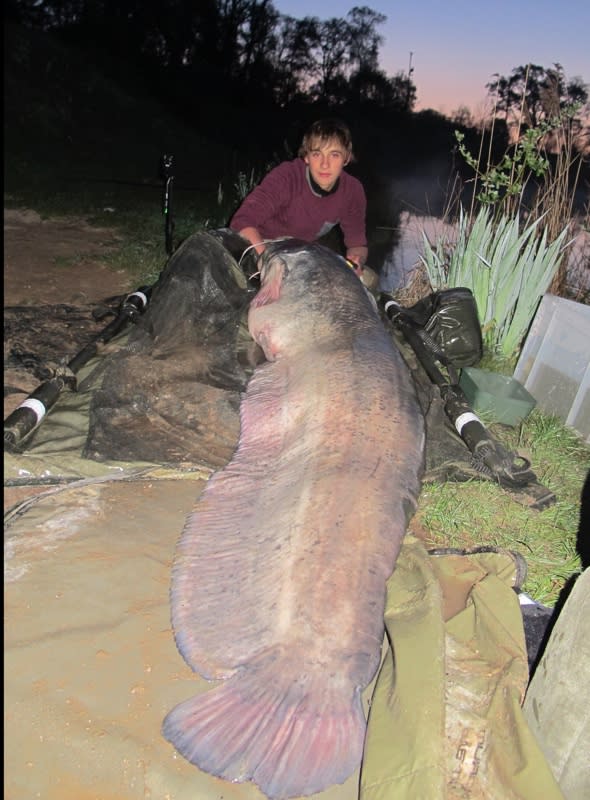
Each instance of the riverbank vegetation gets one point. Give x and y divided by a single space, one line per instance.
511 242
96 93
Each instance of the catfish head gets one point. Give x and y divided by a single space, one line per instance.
309 297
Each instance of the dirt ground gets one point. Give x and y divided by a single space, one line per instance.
57 261
48 263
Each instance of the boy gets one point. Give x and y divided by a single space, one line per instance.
306 197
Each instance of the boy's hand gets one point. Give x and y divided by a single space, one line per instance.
355 267
357 255
255 239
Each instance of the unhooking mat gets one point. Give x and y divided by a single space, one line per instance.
91 667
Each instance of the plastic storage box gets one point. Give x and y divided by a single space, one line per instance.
505 399
554 364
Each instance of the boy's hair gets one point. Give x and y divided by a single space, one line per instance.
324 130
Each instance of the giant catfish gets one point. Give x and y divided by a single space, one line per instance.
278 584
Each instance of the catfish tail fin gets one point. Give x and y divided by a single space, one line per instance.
289 734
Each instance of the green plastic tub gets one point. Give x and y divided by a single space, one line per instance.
505 399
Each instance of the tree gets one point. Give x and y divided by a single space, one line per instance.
373 87
231 50
256 44
364 39
330 57
342 61
462 116
532 94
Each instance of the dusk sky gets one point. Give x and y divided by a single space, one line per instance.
458 46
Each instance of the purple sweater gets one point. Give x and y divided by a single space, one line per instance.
284 204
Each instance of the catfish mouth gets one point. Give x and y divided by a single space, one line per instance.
272 274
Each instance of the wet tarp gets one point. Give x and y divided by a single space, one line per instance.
91 666
167 390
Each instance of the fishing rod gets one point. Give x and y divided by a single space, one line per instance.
168 175
27 417
490 458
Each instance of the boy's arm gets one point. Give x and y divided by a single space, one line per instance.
252 235
352 223
261 204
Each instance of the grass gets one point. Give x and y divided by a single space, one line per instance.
475 514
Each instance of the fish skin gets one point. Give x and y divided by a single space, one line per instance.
279 579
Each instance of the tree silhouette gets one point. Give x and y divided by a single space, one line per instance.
242 49
364 39
532 94
373 88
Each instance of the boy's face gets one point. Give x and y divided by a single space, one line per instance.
326 160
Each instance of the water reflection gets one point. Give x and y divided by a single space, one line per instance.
409 246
